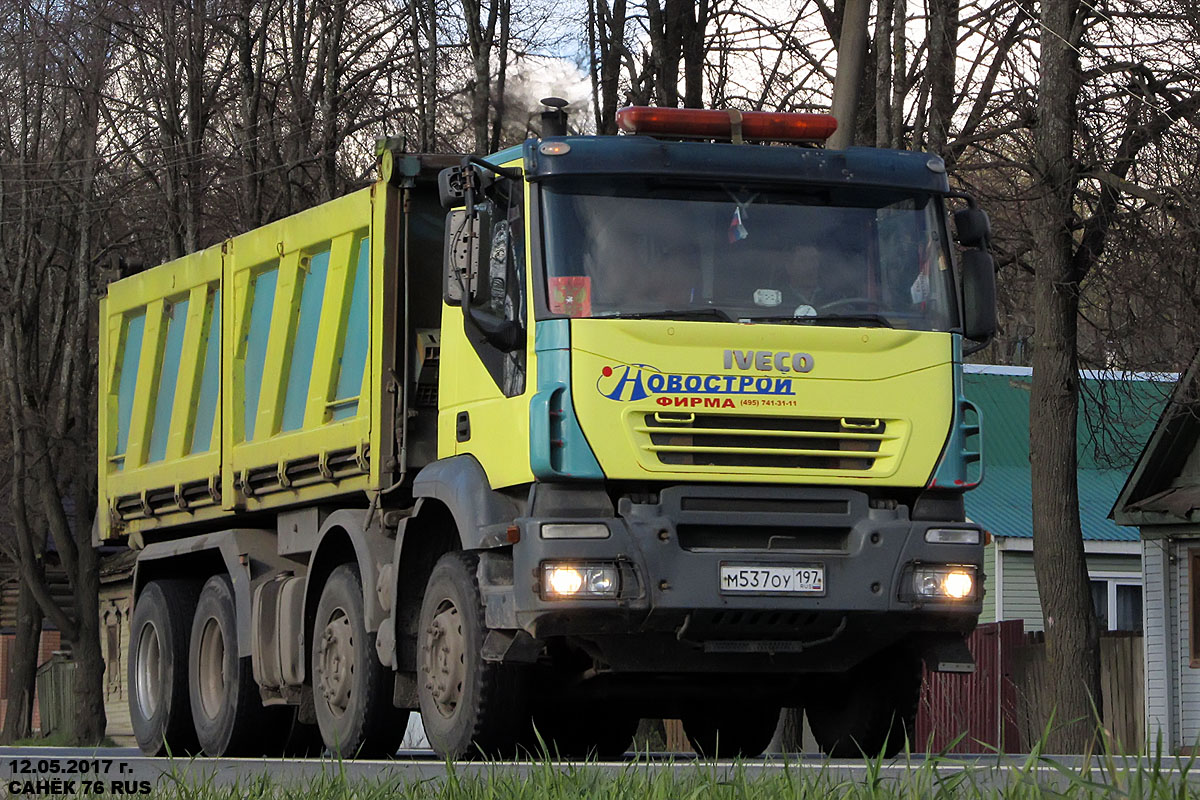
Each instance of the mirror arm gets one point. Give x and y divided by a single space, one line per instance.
971 346
503 172
971 201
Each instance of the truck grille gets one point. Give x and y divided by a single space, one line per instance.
770 442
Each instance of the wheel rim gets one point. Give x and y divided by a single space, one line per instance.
336 662
445 664
149 664
212 668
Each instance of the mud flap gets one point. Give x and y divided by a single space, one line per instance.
948 654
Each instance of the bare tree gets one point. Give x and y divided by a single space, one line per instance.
49 252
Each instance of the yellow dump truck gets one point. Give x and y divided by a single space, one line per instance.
594 429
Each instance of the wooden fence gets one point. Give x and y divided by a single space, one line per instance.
56 695
1122 683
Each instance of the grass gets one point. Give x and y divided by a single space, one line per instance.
934 777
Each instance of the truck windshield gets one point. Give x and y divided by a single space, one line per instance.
812 255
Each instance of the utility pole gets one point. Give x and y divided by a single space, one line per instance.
852 49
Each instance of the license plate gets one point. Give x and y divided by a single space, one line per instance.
750 579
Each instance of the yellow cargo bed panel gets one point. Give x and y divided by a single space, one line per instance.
245 376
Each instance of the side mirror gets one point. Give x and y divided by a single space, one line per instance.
462 256
451 187
979 295
972 227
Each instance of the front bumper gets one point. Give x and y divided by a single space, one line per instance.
670 550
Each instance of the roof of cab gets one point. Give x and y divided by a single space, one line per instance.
755 163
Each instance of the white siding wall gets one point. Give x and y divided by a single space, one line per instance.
1021 599
1188 695
1159 663
989 584
1020 590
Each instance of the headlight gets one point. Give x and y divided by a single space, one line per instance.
948 582
952 536
561 580
575 530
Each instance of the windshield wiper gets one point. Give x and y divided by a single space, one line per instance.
830 319
685 313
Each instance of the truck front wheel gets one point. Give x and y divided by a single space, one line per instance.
731 732
870 710
352 691
470 707
158 668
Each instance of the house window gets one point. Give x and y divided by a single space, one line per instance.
1117 600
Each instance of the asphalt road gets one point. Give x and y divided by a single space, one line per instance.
128 766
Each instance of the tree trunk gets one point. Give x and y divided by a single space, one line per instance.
694 39
610 31
1072 639
501 74
899 71
480 34
943 43
90 719
883 72
22 667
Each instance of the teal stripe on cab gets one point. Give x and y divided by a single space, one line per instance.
210 382
354 352
256 343
557 447
168 377
134 327
312 297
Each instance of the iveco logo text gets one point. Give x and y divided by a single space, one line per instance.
766 360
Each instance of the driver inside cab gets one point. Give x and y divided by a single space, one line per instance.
812 280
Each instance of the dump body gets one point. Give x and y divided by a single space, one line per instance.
249 376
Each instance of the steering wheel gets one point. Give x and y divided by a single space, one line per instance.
850 301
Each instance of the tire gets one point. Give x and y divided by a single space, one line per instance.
352 691
731 732
227 710
159 704
871 710
469 707
583 732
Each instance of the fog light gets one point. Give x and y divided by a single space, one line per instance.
948 582
579 580
952 536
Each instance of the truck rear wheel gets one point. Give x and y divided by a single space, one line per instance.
159 708
731 732
352 691
870 710
470 707
227 709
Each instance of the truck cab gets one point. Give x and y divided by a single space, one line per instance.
721 384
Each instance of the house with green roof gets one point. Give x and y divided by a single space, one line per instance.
1116 416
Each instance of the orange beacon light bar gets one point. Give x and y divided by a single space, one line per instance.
703 123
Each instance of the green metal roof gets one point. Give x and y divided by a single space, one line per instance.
1116 416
